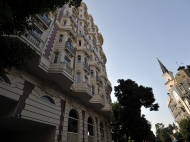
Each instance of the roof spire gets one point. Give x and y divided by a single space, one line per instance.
162 67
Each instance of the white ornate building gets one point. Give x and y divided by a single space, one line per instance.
178 100
64 94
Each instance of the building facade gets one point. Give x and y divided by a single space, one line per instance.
178 87
64 93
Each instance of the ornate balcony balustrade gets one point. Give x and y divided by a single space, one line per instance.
45 18
86 66
33 38
70 48
99 80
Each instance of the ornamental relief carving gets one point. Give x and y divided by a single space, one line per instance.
50 89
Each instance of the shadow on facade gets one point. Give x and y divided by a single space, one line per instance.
14 129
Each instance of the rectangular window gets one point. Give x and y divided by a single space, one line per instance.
85 79
90 57
36 32
78 77
67 60
64 23
56 57
92 90
79 42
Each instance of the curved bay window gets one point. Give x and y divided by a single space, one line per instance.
101 130
90 130
72 126
48 99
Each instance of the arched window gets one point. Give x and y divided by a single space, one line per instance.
73 121
101 130
90 127
92 73
79 58
60 38
80 23
47 99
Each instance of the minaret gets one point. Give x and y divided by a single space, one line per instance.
168 76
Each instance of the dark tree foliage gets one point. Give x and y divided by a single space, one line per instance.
178 136
15 19
15 53
15 15
131 97
185 129
164 135
116 125
151 137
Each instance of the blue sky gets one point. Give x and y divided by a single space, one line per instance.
135 33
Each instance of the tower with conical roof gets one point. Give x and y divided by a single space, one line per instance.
168 76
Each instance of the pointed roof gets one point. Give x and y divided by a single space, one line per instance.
164 69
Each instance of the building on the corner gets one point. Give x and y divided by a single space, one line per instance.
178 87
64 94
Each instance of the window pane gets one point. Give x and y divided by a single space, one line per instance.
47 99
78 77
72 125
90 130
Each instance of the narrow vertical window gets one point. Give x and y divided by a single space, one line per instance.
92 90
78 77
90 57
80 23
92 73
79 42
60 38
89 37
56 57
79 59
90 128
64 23
101 130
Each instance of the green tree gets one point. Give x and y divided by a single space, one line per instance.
178 135
131 98
15 19
185 129
164 135
151 137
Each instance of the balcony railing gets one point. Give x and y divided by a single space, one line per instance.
45 18
99 80
33 38
70 48
86 66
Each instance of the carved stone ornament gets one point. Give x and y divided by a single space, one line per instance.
17 73
50 88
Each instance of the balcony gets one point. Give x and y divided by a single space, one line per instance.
33 38
69 48
94 63
84 49
98 80
103 74
97 102
44 19
86 67
83 92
